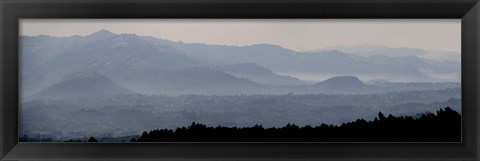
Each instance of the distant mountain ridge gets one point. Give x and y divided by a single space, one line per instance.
332 62
82 84
342 81
108 85
257 73
347 84
156 66
193 80
369 50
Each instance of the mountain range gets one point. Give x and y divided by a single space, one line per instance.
369 50
109 85
148 65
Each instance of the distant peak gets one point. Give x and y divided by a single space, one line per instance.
103 31
343 80
100 35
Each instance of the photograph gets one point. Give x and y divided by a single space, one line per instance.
240 80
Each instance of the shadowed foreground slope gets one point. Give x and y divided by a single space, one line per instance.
445 126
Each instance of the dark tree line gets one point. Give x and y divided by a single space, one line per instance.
444 126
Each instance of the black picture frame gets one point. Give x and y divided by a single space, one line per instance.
466 10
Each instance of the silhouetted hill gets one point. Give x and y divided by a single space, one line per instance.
346 85
445 126
99 35
194 80
342 81
82 84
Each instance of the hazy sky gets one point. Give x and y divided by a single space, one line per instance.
296 34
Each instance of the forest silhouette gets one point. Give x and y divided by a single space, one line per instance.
444 126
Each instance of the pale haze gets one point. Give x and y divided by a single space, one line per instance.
295 34
119 79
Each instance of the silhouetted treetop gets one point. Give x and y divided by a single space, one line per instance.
444 126
92 139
